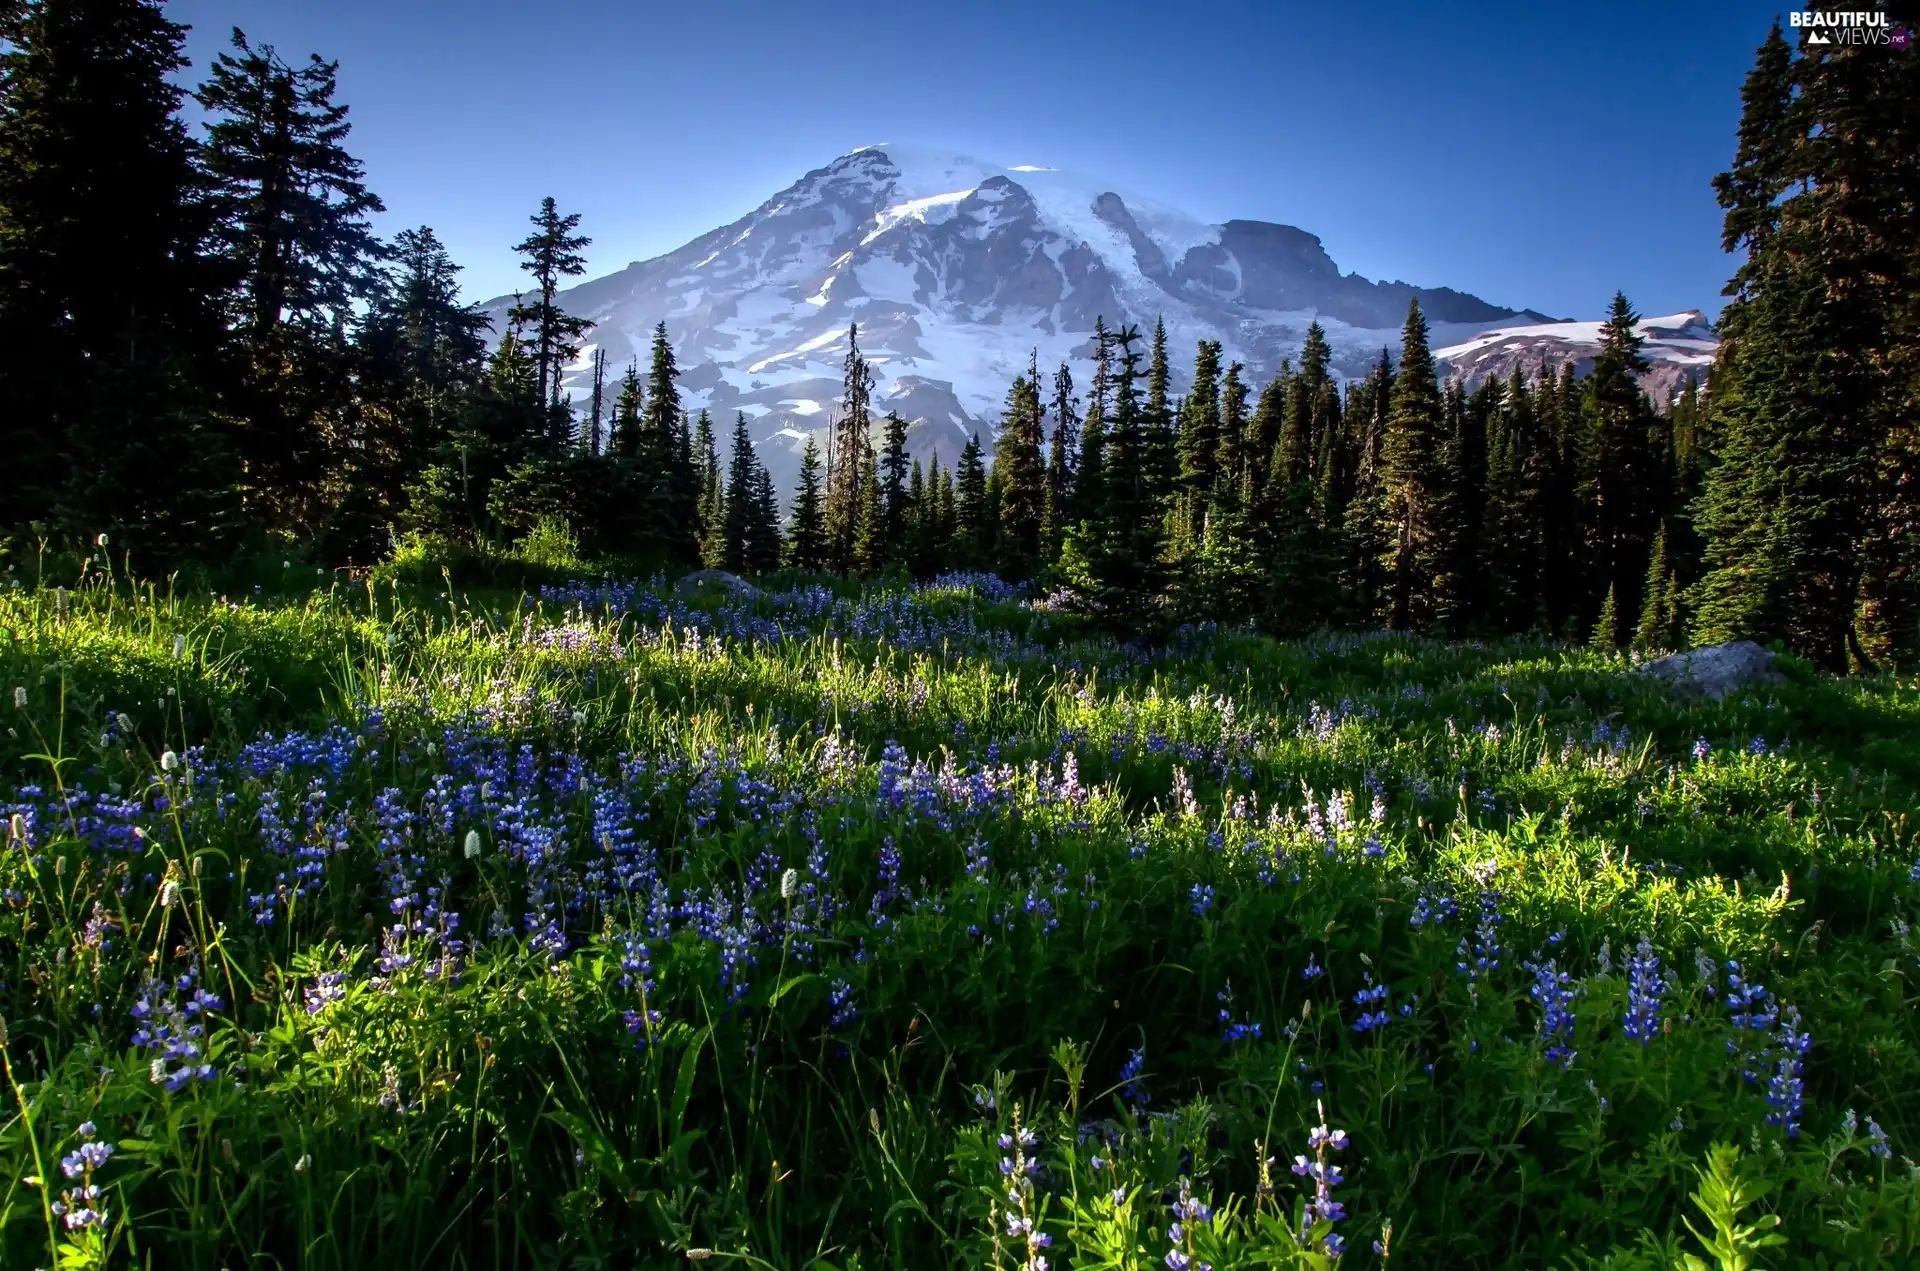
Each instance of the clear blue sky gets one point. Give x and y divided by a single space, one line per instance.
1540 154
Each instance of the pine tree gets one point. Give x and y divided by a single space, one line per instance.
1198 445
1112 559
713 492
1368 525
664 460
108 339
762 552
1807 511
422 354
737 520
1458 595
846 448
1061 461
551 254
970 506
419 354
807 536
893 485
1658 628
1409 461
591 437
871 549
1512 541
1618 472
291 235
944 546
1159 433
1606 628
1089 486
914 528
1021 479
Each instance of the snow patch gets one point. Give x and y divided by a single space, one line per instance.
925 210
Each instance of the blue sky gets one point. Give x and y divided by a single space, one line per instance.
1537 155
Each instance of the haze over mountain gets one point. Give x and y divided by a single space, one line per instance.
959 271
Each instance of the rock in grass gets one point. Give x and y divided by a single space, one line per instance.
1716 670
710 580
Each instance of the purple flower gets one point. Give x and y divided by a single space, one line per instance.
1132 1088
1645 990
1322 1210
1372 1001
1236 1030
1553 993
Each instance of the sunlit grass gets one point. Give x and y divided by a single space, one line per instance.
599 927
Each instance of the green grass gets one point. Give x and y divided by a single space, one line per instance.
818 1076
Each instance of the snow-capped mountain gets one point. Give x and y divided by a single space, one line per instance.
959 271
1677 348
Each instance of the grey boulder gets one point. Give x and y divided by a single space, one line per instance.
706 581
1716 670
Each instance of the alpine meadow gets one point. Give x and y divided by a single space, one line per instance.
465 806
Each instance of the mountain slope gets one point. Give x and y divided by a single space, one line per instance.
958 272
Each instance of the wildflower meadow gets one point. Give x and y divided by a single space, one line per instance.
395 921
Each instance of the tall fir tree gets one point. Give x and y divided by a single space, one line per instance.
1160 459
1807 511
665 455
1021 477
871 550
1198 445
970 507
1619 477
552 255
1368 524
847 446
712 480
1659 625
893 485
419 356
110 346
292 237
762 553
807 535
1089 483
1409 458
1062 454
737 519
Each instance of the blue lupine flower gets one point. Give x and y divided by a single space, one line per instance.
1236 1030
79 1206
840 1003
1202 896
1553 993
1372 1002
1132 1088
1187 1209
1645 991
1326 1176
1786 1091
1484 956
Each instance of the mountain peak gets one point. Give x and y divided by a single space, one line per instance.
958 270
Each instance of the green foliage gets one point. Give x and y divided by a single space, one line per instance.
957 907
552 543
1722 1196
